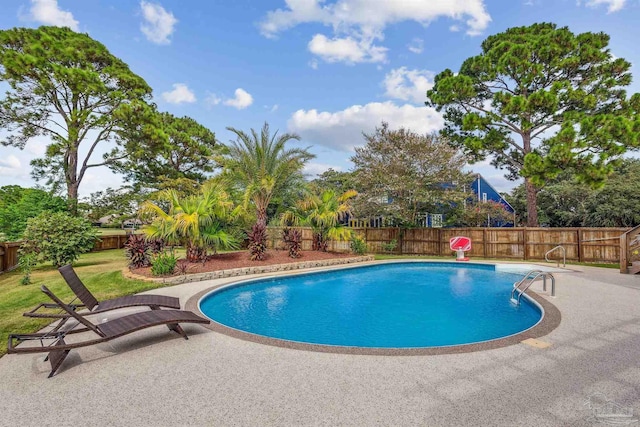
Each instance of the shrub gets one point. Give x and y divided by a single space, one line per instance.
163 264
26 261
58 237
257 242
391 246
293 240
182 266
320 242
156 245
358 245
137 250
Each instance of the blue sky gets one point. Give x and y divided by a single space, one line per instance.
327 70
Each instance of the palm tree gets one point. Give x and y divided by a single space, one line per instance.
323 213
262 166
196 221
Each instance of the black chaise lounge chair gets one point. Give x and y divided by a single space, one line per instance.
90 302
53 342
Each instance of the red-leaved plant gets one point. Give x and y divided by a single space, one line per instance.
257 242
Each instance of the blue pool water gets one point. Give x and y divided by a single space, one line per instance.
396 305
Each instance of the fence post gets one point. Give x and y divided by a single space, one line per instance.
624 260
484 242
580 248
5 258
524 243
439 241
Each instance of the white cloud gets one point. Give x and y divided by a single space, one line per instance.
313 169
37 146
179 95
10 165
212 99
158 24
242 99
408 85
358 24
371 16
613 5
313 64
98 179
454 28
342 130
416 46
48 12
346 49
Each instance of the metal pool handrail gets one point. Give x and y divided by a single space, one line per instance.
528 280
564 255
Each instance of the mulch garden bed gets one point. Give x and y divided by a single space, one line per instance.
241 259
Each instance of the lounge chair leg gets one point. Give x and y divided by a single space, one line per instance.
177 328
56 357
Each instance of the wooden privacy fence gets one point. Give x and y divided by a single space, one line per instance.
9 250
597 245
9 255
115 241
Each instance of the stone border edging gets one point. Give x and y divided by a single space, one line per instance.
244 271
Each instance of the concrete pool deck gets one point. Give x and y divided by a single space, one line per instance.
154 377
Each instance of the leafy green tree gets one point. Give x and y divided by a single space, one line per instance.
402 174
567 203
296 189
263 166
617 204
337 181
58 237
539 100
68 87
480 214
181 151
18 205
122 201
323 213
198 222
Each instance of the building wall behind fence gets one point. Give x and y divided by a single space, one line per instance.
596 245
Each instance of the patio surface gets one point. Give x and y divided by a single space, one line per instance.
155 378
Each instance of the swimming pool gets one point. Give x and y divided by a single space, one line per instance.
392 305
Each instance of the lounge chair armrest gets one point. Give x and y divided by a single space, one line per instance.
19 338
39 311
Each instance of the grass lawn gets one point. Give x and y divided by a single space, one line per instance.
100 271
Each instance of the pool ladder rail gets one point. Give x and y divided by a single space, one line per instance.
521 287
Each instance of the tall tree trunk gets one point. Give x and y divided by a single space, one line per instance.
532 203
532 191
72 197
262 217
261 211
71 176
